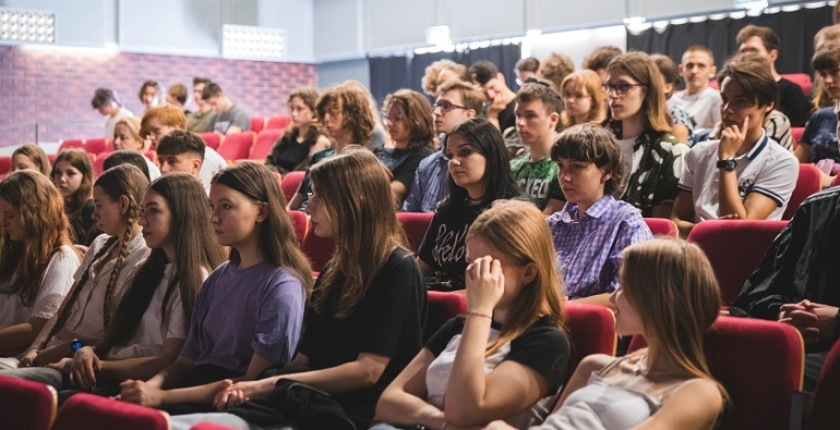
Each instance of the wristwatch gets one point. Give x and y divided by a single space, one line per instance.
75 345
728 164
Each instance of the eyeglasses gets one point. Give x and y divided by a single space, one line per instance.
446 106
393 119
619 89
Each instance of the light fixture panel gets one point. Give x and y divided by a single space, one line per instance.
246 42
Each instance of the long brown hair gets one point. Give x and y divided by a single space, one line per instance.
277 242
37 155
74 203
355 193
196 253
518 229
417 113
359 119
654 109
45 230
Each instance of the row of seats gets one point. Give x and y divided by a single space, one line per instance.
801 79
278 122
246 145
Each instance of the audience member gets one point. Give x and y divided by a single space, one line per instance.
108 104
526 68
443 71
555 68
818 143
182 151
302 138
457 101
31 157
593 228
261 292
37 261
408 117
229 117
600 58
508 356
150 93
682 124
538 108
584 99
378 136
820 96
744 175
765 42
653 159
127 156
667 384
127 134
201 120
496 92
699 99
479 174
73 176
177 96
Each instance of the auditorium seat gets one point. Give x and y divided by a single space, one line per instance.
211 139
760 363
662 227
237 146
257 124
415 225
801 79
300 222
808 182
26 405
99 162
210 426
443 306
319 250
278 122
96 146
836 181
92 412
290 183
824 412
591 331
71 143
152 155
6 165
734 248
796 133
265 141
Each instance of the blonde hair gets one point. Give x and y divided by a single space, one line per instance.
133 125
518 229
590 82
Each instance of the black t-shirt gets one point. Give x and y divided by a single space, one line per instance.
792 102
305 186
444 248
403 162
542 347
287 154
507 117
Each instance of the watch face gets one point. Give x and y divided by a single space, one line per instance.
75 346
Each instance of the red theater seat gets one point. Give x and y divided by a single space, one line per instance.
97 146
91 412
591 330
211 139
99 162
443 306
824 413
801 79
319 250
808 182
237 146
300 223
278 122
257 124
26 405
415 225
210 426
265 141
6 165
290 183
71 143
796 133
662 227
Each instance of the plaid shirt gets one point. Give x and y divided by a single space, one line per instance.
589 245
430 184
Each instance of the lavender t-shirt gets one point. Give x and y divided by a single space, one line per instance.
241 312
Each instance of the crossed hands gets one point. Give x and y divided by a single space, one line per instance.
815 321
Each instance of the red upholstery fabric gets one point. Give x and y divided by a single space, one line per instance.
6 164
801 79
91 412
662 227
290 184
299 221
734 247
213 140
415 225
796 133
591 331
760 363
26 405
210 426
807 183
824 412
99 162
265 141
237 146
72 143
257 124
278 122
443 307
96 146
152 155
318 249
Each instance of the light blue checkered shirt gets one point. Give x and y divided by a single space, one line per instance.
430 184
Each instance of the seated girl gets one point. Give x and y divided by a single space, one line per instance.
583 98
509 351
31 157
593 227
670 296
302 138
479 173
364 323
151 322
37 260
249 312
73 175
127 136
108 266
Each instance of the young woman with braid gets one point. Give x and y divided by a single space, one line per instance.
36 260
249 312
73 175
109 265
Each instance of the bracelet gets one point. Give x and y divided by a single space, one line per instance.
477 314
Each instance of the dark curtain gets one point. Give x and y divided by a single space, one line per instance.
388 74
795 29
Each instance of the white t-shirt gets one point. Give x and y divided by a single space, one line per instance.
213 163
55 283
704 106
87 319
768 169
111 121
154 171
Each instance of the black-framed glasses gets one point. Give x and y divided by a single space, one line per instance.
620 88
446 106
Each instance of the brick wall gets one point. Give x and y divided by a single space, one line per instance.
54 87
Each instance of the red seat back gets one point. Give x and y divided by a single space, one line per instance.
26 405
443 306
760 363
257 124
824 412
99 162
300 222
91 412
290 184
237 146
662 227
319 250
808 182
96 146
415 225
734 248
591 331
278 122
6 164
210 426
265 141
211 139
796 133
801 79
71 143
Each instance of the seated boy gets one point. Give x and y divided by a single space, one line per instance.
745 174
181 151
593 227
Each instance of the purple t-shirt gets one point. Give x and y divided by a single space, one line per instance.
241 312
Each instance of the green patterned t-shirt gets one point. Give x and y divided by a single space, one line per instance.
656 169
537 179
